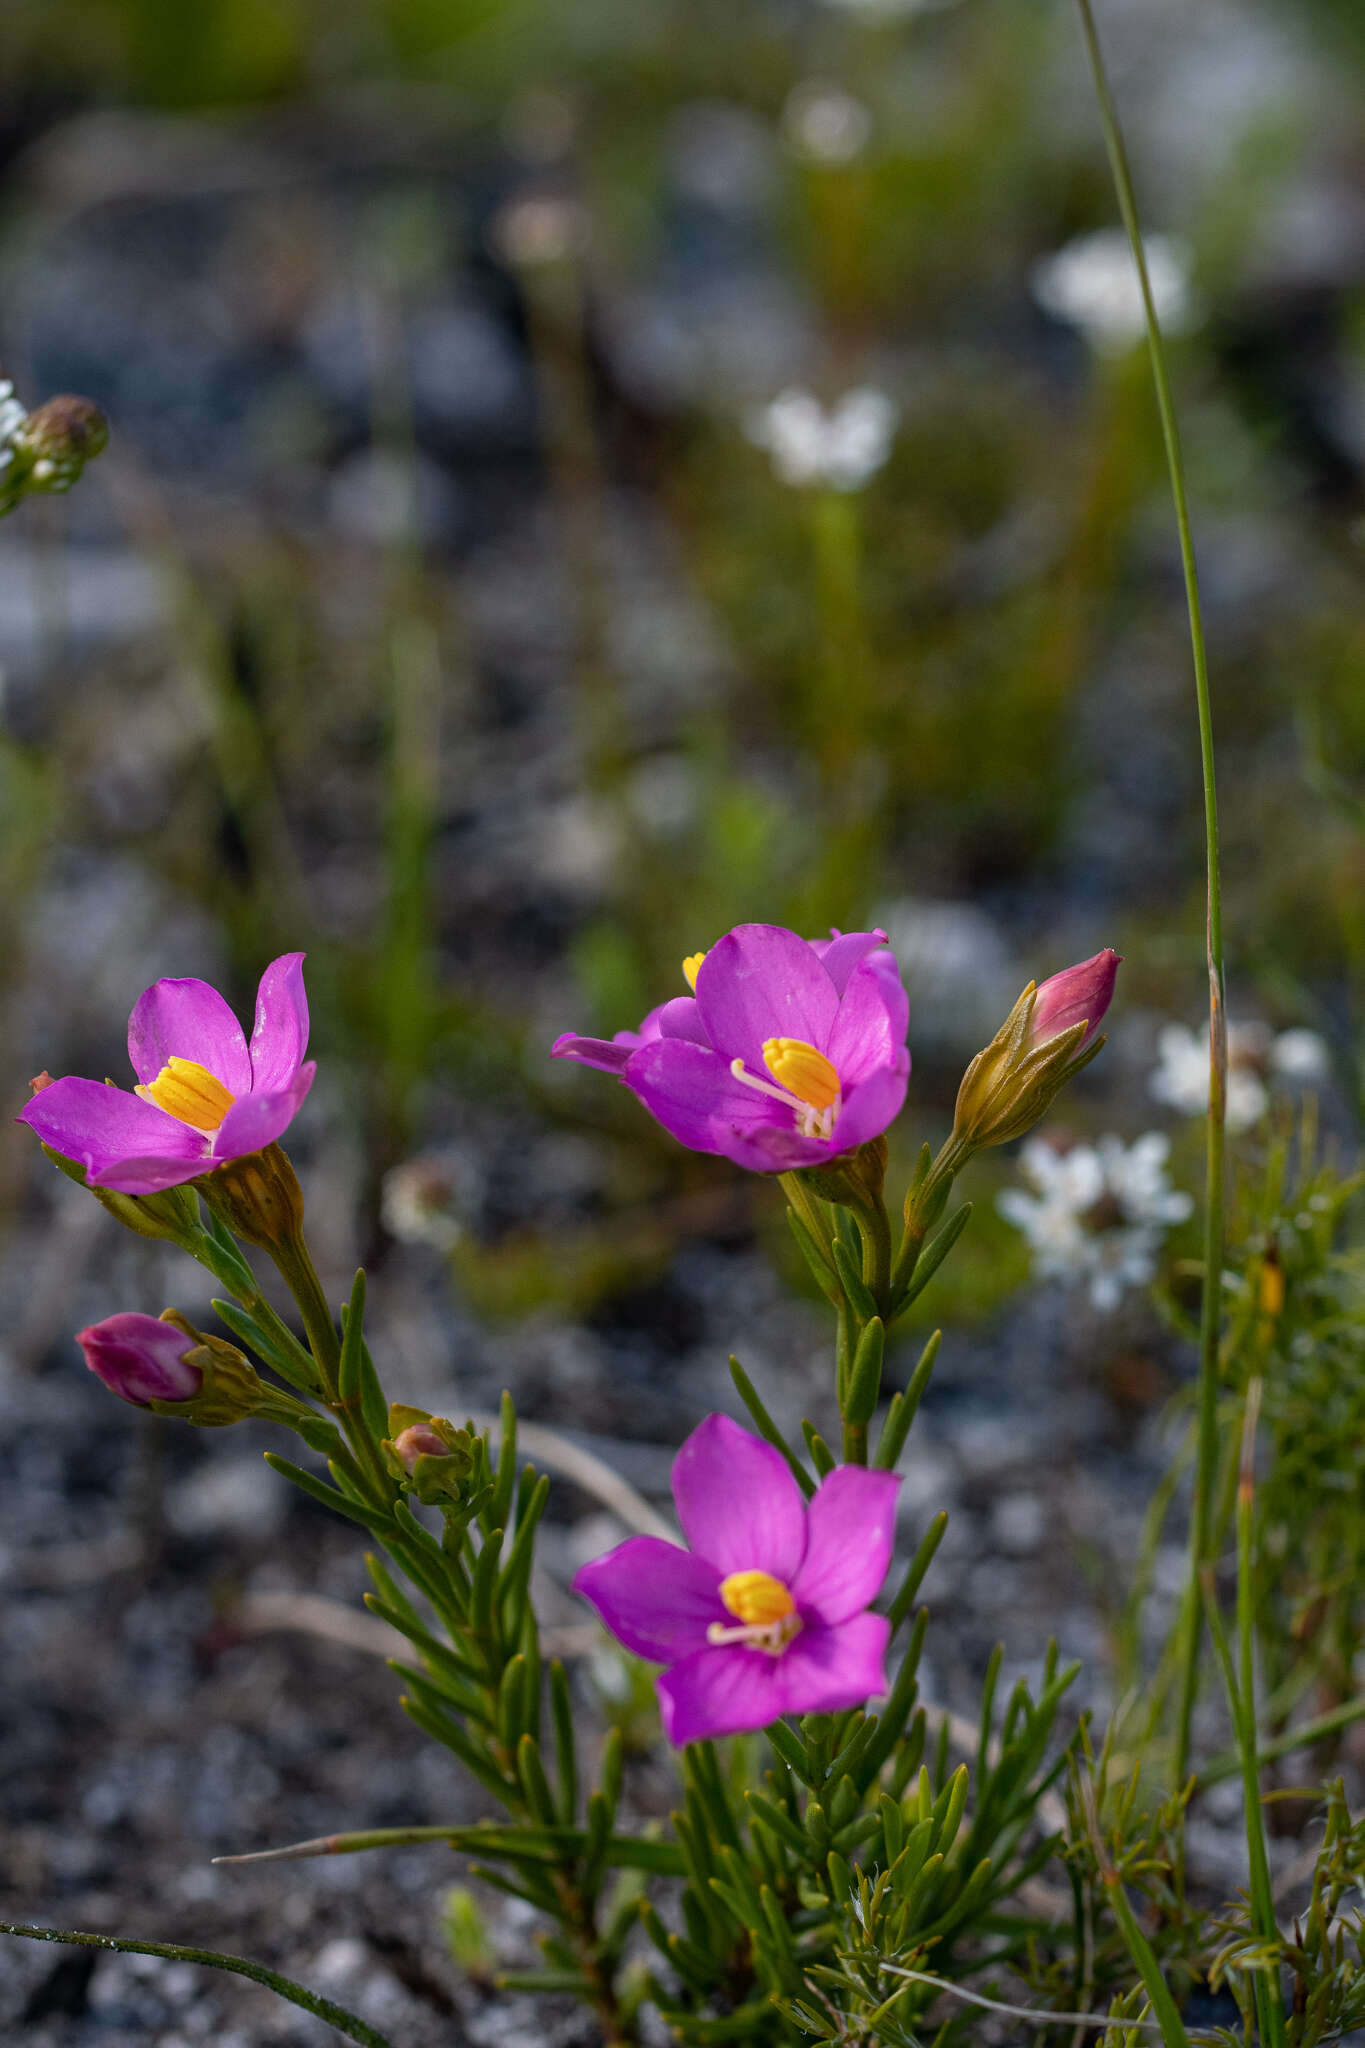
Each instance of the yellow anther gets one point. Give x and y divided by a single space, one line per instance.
189 1092
756 1598
802 1071
691 967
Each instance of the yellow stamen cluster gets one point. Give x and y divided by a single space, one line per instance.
802 1071
190 1093
763 1609
691 968
756 1597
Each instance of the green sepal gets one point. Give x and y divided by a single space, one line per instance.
330 1497
865 1374
931 1258
918 1566
821 1456
857 1293
566 1757
349 1370
904 1407
826 1279
767 1428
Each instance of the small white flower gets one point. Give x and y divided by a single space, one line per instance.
12 417
1300 1055
1181 1078
824 123
1097 1213
418 1201
1092 284
840 448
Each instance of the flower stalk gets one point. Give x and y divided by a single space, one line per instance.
1206 1459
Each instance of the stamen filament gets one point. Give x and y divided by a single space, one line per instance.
810 1121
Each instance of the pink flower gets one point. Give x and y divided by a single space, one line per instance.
1078 995
790 1053
203 1096
141 1359
767 1613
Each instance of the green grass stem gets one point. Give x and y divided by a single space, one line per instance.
1206 1458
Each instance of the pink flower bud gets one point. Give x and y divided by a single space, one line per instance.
1078 995
419 1441
141 1359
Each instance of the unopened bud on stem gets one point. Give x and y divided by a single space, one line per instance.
164 1363
1049 1035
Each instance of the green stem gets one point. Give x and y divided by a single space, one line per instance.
1211 1317
1302 1737
296 1266
811 1211
1140 1949
876 1234
1262 1897
284 1987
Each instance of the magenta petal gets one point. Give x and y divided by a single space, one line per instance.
279 1038
840 953
762 982
188 1020
102 1126
150 1174
255 1121
655 1597
827 1669
1078 995
872 1105
694 1095
851 1531
737 1501
681 1019
141 1359
719 1692
608 1054
869 1031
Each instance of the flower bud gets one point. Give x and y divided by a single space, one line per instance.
142 1359
1047 1038
258 1197
164 1363
429 1455
419 1441
1078 995
60 438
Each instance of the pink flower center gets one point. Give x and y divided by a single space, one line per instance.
807 1083
765 1610
190 1093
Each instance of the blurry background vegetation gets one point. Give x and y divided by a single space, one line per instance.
432 610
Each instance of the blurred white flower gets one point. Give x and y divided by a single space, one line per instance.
418 1202
823 122
1300 1055
12 417
1181 1079
840 448
1092 284
1097 1213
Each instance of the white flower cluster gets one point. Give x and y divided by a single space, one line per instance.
839 448
1097 1213
1092 284
12 417
1181 1080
